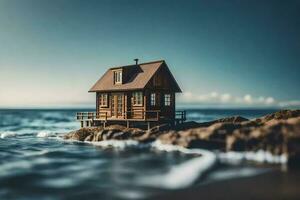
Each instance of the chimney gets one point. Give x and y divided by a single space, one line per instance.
136 61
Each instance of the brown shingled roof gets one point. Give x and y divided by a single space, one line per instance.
140 76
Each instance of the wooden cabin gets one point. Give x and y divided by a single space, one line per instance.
142 92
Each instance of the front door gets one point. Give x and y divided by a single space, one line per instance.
117 105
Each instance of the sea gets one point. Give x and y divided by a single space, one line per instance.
37 164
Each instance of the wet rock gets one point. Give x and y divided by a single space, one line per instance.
280 115
121 135
89 138
234 119
277 137
278 133
81 134
98 136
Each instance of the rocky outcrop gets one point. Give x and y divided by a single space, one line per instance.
276 136
278 133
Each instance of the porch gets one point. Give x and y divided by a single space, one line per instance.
88 119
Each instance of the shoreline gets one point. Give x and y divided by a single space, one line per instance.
277 133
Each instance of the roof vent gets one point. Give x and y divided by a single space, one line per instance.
136 61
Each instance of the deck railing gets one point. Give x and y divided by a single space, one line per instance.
91 115
180 115
85 115
153 115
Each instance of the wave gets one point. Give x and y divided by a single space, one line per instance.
179 176
36 153
7 134
41 134
236 173
46 134
187 173
259 156
184 174
122 144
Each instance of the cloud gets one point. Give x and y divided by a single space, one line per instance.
229 99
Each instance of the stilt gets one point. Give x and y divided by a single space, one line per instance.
128 125
81 124
149 125
104 124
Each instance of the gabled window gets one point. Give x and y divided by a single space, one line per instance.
103 100
118 77
153 99
167 99
137 98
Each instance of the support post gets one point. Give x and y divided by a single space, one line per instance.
128 125
149 125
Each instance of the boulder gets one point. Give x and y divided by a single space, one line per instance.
277 137
278 133
81 134
282 114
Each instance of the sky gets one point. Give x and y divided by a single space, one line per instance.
222 53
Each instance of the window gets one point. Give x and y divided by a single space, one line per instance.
103 100
137 98
167 99
118 77
153 99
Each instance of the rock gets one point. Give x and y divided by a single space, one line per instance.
278 133
234 119
115 127
121 135
277 136
283 114
162 127
193 124
235 143
81 134
98 136
89 138
189 125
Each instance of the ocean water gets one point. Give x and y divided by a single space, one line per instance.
36 163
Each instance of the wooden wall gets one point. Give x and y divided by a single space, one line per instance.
160 84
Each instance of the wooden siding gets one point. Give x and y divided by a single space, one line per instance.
160 84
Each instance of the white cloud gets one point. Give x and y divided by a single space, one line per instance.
228 99
270 100
225 97
248 99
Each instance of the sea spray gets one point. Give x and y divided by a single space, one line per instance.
258 156
7 134
121 144
45 134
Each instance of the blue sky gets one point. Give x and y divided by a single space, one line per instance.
223 53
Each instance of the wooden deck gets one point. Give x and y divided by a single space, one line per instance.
137 116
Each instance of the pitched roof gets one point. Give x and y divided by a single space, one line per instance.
140 76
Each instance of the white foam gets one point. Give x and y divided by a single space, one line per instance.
259 156
36 153
236 173
45 134
7 134
122 144
182 175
